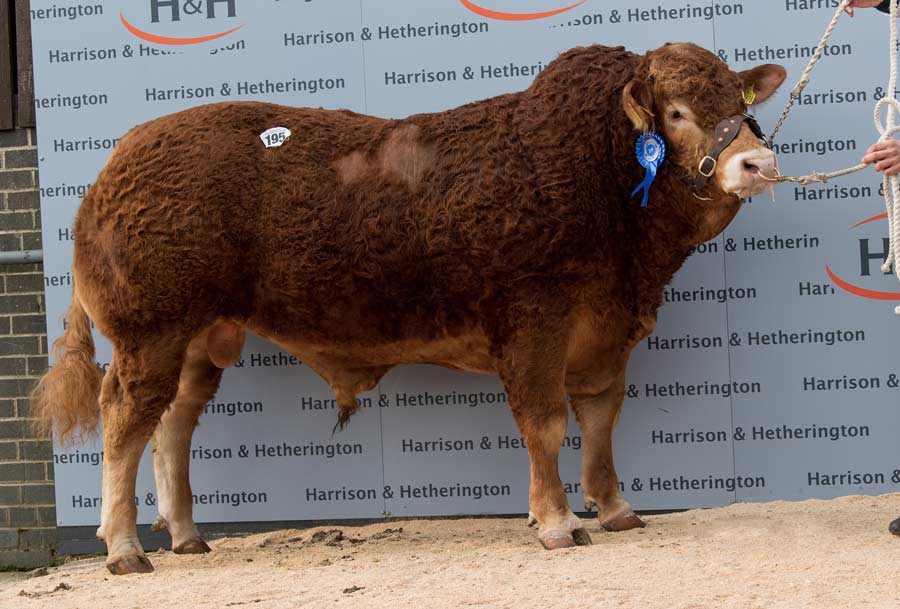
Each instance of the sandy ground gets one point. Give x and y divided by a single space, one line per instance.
822 554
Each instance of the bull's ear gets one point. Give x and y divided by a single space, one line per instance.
761 82
637 101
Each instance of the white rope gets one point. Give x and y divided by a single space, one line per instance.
817 177
890 184
817 55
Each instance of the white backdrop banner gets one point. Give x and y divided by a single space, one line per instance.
770 375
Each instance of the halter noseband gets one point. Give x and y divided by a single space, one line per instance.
723 135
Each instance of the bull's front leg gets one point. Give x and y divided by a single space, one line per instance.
597 415
532 371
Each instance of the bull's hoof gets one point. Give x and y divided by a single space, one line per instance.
623 522
582 537
192 546
895 527
129 564
556 540
159 524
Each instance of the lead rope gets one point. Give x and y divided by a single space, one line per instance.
804 78
816 177
890 184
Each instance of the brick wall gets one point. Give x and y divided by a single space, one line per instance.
27 504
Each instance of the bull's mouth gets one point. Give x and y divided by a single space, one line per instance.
757 187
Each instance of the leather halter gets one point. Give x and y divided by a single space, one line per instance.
725 133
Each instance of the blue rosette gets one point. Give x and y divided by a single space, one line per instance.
650 152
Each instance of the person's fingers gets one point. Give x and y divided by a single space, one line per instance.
879 155
886 164
874 148
892 170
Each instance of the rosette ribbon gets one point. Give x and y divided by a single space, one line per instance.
651 152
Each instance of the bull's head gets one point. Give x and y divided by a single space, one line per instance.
690 95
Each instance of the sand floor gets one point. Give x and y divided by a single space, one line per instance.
821 554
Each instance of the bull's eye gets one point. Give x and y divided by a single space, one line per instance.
676 115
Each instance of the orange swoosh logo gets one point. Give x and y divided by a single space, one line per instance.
168 40
872 219
853 289
485 12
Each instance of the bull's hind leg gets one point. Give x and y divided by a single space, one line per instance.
171 442
532 371
136 390
597 415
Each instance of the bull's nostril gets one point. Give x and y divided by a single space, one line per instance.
751 167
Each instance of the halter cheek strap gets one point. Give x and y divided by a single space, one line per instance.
725 133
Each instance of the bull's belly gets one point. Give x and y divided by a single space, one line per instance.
597 354
468 351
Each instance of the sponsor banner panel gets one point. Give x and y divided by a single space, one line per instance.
768 375
451 445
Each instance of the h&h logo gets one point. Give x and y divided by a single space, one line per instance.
176 11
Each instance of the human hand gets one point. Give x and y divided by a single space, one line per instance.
861 4
886 156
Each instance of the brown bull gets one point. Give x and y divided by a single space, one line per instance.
499 237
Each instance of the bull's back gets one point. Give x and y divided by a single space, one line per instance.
355 228
178 218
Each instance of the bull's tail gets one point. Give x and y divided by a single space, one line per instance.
66 397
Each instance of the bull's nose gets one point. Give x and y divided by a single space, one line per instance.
762 164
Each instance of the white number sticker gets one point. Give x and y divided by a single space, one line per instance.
275 136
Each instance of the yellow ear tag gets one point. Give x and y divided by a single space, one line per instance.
749 95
